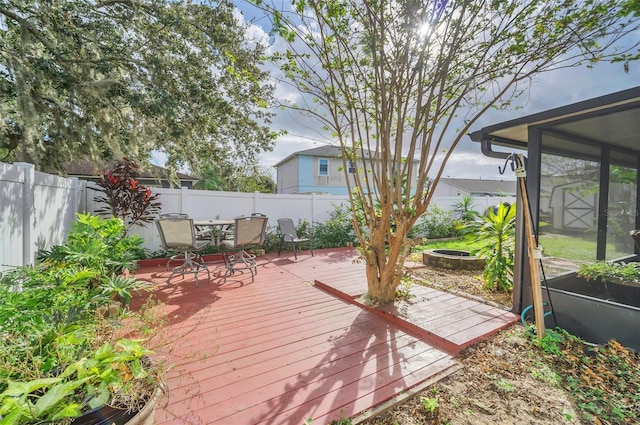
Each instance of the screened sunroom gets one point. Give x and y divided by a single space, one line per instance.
582 188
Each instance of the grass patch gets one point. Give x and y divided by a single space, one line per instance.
461 243
575 247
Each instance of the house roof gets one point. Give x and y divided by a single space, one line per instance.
488 187
578 130
92 169
326 151
323 151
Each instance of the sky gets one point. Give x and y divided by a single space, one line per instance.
549 90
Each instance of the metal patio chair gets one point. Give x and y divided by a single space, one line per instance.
248 232
289 235
179 234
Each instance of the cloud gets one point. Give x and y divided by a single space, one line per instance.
547 91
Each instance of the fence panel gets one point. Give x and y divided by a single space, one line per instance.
11 216
56 202
38 209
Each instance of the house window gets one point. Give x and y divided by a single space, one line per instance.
351 168
323 169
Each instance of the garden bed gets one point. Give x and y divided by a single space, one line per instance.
596 311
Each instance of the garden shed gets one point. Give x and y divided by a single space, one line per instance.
582 183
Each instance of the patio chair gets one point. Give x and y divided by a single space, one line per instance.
248 232
179 233
289 234
201 235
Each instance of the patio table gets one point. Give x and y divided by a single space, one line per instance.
217 227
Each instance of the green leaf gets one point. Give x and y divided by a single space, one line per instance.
17 389
55 395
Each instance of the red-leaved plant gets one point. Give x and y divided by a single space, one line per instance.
125 197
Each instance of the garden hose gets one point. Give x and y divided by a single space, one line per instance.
529 307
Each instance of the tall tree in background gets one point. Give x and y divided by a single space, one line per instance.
236 179
107 79
400 80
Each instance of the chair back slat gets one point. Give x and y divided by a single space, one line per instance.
250 230
177 232
287 227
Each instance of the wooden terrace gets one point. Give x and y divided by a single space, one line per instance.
295 344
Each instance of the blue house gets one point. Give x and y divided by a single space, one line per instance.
316 170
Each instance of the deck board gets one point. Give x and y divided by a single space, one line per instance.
285 348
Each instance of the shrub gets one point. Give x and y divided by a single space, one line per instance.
336 231
59 357
437 223
464 208
125 197
495 231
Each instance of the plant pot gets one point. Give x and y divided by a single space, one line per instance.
109 415
618 292
623 292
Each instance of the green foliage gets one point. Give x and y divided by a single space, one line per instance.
437 223
604 380
628 272
97 244
462 243
106 79
255 180
430 404
336 231
236 179
495 231
86 383
125 197
503 386
121 288
58 358
464 208
384 72
403 292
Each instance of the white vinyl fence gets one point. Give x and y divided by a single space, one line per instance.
37 209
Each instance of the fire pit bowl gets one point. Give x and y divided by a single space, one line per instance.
452 259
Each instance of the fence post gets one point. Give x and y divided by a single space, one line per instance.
75 195
183 198
256 202
314 199
28 218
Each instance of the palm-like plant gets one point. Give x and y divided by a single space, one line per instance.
464 208
495 231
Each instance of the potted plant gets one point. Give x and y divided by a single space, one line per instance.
60 360
617 281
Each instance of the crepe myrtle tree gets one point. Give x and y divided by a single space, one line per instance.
398 83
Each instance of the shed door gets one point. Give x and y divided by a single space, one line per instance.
579 209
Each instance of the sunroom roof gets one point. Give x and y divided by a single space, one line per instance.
578 130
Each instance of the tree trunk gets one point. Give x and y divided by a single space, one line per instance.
385 267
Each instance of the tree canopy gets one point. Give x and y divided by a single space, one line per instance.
236 179
113 78
398 83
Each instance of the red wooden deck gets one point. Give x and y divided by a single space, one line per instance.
285 348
